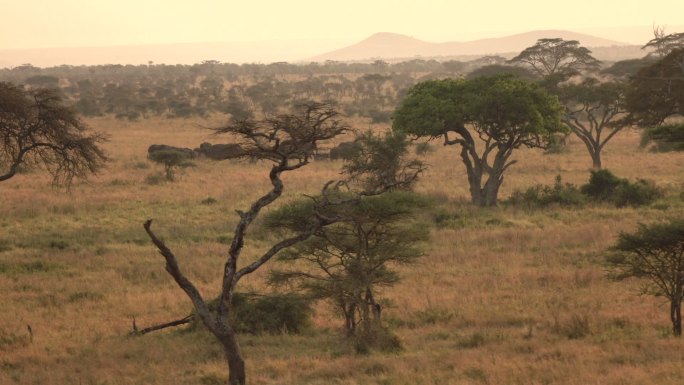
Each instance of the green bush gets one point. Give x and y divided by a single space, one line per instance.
640 193
273 313
606 187
378 338
270 313
665 138
543 195
602 185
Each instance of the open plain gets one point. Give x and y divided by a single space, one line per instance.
505 295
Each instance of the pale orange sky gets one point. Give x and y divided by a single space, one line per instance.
78 23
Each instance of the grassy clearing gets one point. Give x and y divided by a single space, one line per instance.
504 296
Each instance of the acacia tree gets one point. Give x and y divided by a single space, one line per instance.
592 112
379 163
36 128
171 159
663 44
655 253
488 117
557 58
656 92
286 141
348 262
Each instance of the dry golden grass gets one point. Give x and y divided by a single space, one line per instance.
504 296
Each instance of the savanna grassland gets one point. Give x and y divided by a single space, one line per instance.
505 295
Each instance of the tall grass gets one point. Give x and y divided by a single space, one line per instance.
504 295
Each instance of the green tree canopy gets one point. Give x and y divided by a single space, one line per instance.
36 128
656 92
349 261
592 112
488 117
656 253
171 159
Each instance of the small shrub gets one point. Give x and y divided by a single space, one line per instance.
606 187
155 179
378 338
58 244
542 195
472 341
272 313
209 201
577 327
665 138
640 193
602 185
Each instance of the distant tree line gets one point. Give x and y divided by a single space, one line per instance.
133 92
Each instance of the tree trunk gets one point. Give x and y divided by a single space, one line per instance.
596 158
491 190
676 316
349 319
236 364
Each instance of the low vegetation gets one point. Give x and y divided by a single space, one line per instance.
525 286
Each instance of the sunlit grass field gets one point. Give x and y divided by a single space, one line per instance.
503 296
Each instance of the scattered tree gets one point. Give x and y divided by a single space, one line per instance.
656 253
36 128
379 163
656 92
668 137
592 110
604 186
663 44
286 141
348 262
171 159
503 112
557 58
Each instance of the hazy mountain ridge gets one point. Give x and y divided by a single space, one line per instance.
386 46
391 45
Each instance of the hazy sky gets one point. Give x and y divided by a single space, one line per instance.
73 23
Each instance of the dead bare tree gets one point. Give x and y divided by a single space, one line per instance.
36 128
287 141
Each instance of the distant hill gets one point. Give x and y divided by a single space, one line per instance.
386 46
391 46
